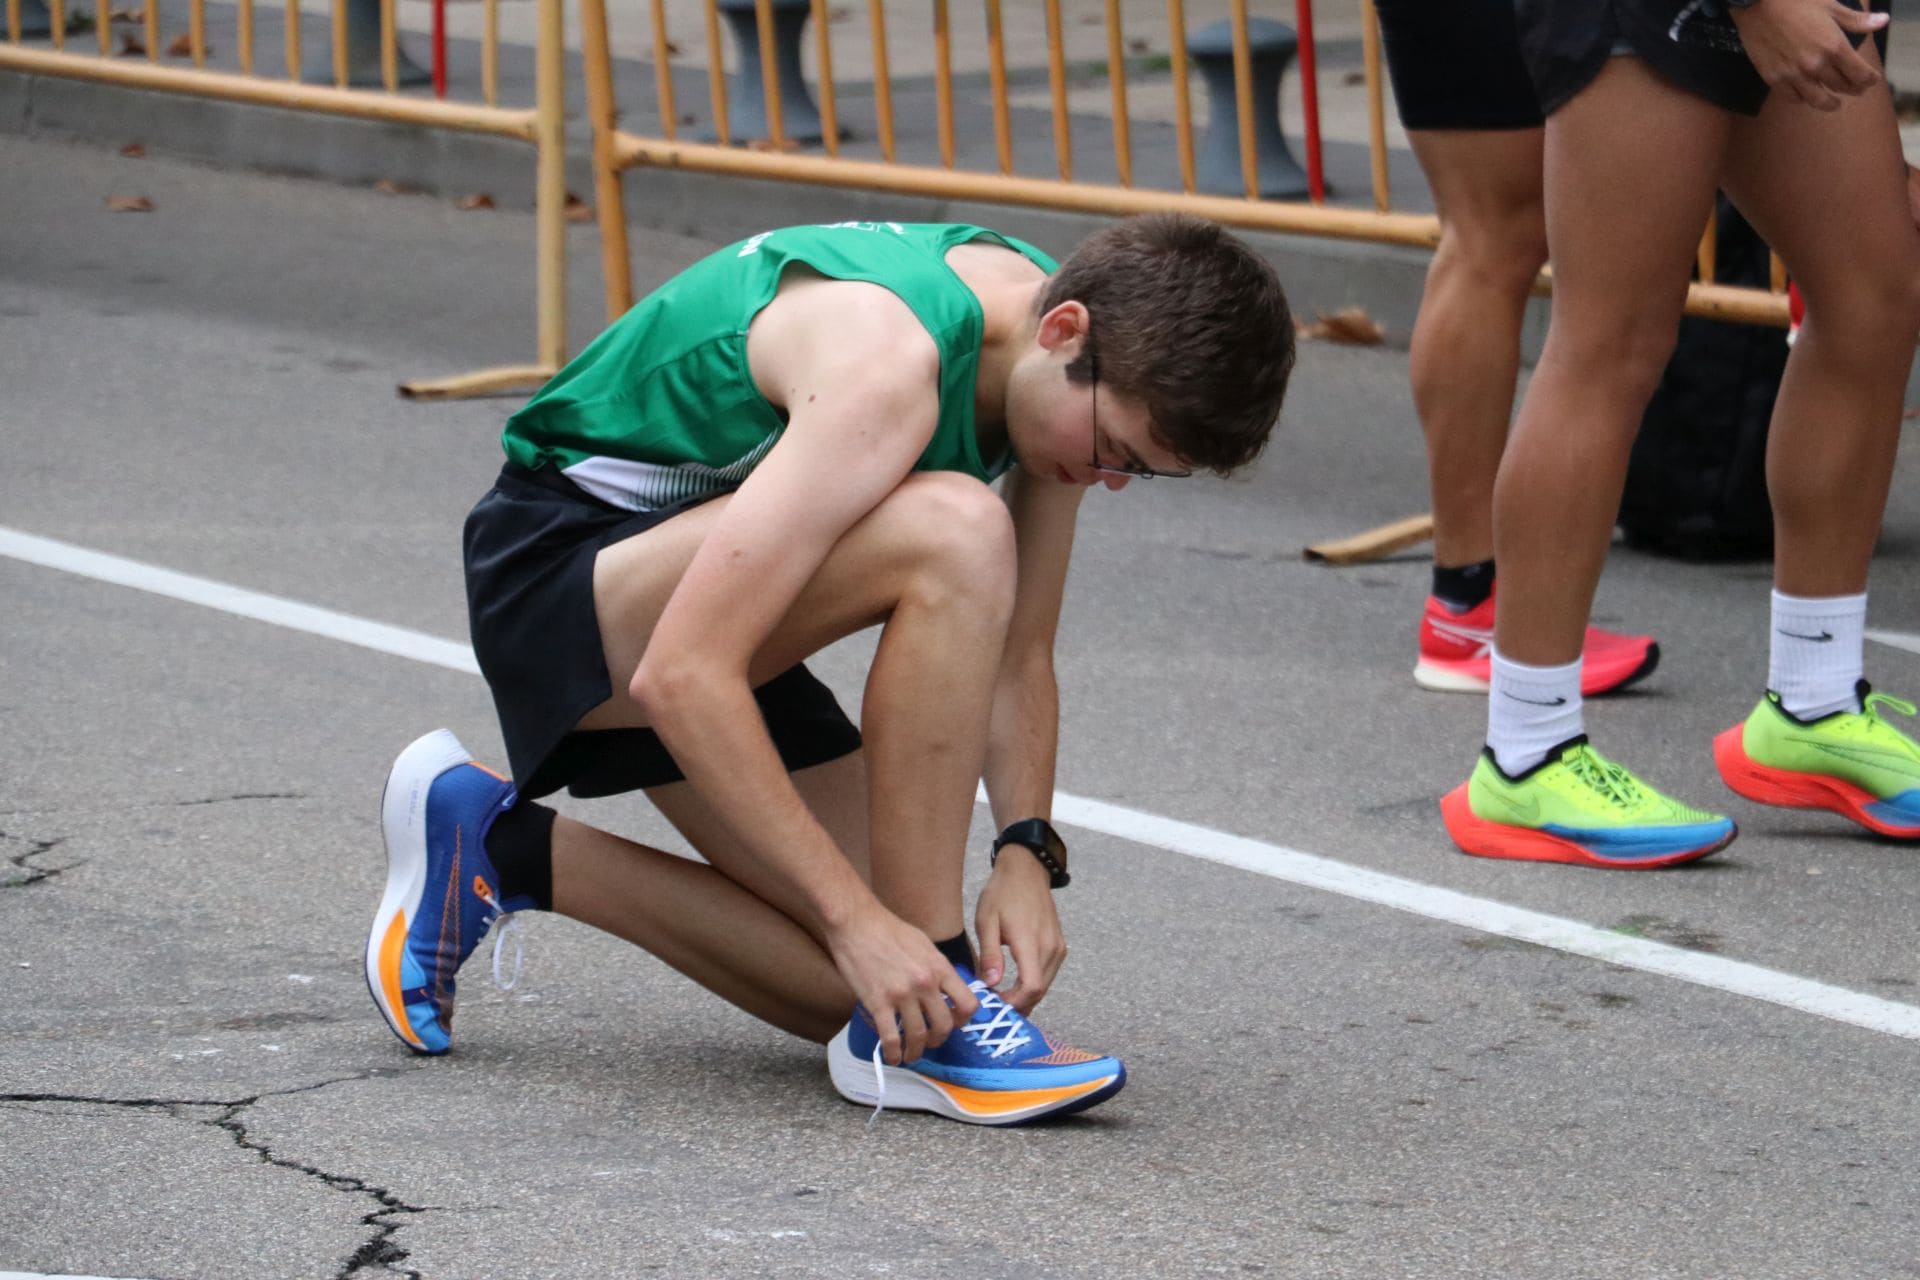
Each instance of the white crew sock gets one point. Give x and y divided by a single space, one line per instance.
1531 710
1817 653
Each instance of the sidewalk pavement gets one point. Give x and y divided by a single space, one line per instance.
1322 275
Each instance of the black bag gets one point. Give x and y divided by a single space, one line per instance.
1697 483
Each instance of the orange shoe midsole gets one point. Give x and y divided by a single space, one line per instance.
1793 789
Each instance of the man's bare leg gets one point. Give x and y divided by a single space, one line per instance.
935 562
1828 191
1623 219
1465 354
704 924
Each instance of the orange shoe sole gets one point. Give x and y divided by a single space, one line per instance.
1794 790
1485 839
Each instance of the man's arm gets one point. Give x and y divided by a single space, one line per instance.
1016 909
858 376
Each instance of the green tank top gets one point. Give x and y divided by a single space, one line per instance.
661 407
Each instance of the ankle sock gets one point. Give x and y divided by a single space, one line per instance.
1817 653
1463 587
957 950
520 846
1530 711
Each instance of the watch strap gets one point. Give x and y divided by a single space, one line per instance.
1038 837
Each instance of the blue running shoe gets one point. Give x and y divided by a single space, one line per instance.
442 891
998 1069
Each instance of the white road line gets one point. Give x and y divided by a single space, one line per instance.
1275 861
1896 640
229 599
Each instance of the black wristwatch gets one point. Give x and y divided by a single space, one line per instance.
1039 836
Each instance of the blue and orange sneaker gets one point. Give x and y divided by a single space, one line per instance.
1577 806
442 891
999 1069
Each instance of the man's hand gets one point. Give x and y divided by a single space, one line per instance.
1016 911
915 997
1800 48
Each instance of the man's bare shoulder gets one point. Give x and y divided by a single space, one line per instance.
842 331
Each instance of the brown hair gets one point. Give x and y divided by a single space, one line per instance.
1190 322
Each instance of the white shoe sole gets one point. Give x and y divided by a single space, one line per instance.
1441 680
403 823
906 1090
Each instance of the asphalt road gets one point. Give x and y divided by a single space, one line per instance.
193 1082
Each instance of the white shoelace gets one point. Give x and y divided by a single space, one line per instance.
1014 1030
508 924
879 1087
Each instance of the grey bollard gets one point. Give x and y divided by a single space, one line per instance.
35 21
746 103
1271 46
363 51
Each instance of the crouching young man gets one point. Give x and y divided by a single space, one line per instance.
790 442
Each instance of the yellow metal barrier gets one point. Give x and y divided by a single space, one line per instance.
542 124
776 157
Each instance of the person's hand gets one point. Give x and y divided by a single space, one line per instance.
1800 48
913 995
1016 911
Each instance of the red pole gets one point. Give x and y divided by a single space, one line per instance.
440 48
1309 100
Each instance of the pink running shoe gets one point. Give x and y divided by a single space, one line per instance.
1456 653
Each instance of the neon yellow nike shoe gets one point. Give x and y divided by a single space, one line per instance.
1577 806
1852 762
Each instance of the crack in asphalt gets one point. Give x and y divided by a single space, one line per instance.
379 1253
244 795
34 875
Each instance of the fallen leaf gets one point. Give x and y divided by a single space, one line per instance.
181 46
129 204
387 186
478 200
133 151
577 210
673 49
1139 44
1354 77
1349 324
131 45
688 117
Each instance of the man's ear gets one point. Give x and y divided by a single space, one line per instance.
1066 323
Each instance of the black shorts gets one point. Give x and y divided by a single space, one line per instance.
1691 43
530 546
1456 64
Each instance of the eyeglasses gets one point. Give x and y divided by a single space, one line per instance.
1133 470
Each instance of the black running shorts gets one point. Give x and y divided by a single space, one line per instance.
530 546
1455 64
1691 43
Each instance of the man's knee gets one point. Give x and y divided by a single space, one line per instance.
960 536
1503 243
1872 310
1623 350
